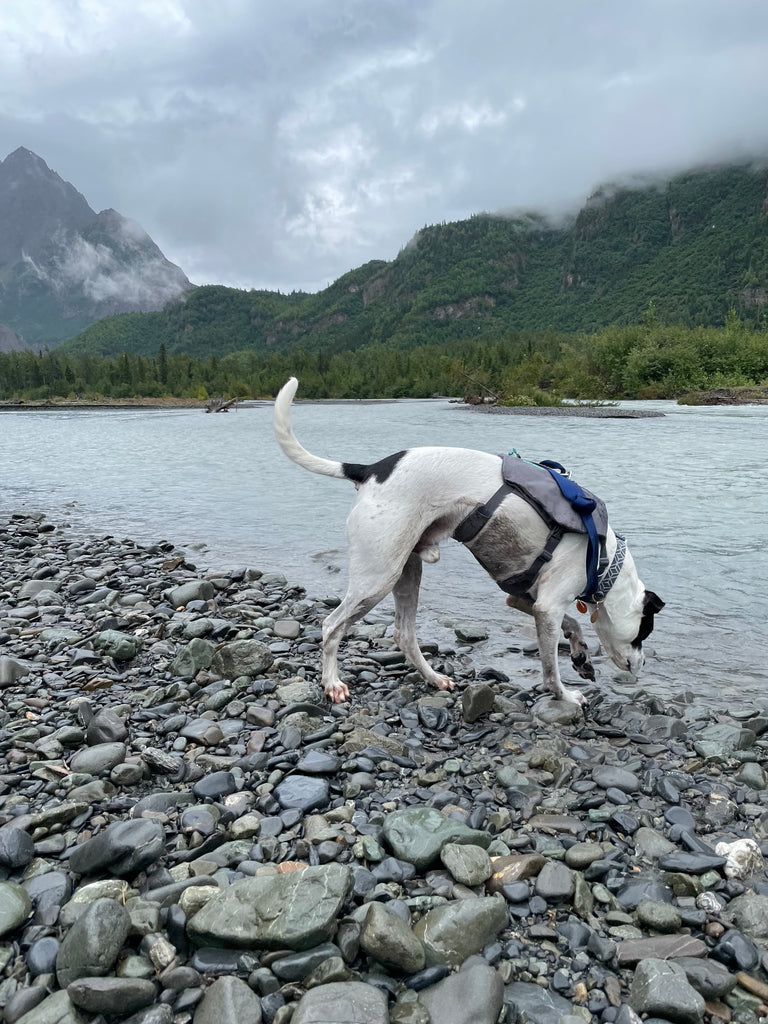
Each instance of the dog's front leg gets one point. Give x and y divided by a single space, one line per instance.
406 595
548 618
579 649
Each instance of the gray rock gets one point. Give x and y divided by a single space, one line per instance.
473 996
652 844
609 776
112 995
242 658
662 947
116 645
660 917
15 907
196 656
749 913
228 1001
477 701
306 792
711 979
343 1002
555 882
203 731
56 1009
106 727
538 1005
97 759
296 966
16 847
388 938
193 590
296 910
12 669
455 931
418 834
660 988
721 739
123 848
160 1013
93 943
469 865
471 632
287 629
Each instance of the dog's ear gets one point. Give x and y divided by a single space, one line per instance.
652 602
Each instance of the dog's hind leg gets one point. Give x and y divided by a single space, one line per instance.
406 595
352 608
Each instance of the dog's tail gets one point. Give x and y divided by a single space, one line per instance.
287 439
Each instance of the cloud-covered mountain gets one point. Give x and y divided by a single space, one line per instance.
64 266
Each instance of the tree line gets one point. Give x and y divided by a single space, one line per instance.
646 360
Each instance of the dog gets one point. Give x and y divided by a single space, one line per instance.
409 502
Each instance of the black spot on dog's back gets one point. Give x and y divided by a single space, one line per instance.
380 470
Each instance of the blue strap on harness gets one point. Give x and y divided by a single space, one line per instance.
585 507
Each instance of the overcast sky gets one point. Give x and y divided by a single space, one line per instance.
280 143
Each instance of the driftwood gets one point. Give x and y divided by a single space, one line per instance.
219 405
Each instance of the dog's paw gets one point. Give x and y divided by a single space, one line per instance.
443 682
583 666
337 692
574 697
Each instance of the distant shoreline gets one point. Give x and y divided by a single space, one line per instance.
598 412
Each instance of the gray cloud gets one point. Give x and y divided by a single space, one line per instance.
279 145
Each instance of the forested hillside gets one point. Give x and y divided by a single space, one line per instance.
647 360
695 247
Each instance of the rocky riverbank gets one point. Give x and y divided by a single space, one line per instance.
596 412
189 832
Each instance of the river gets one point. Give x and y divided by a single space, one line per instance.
686 488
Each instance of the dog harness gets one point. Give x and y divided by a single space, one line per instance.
565 507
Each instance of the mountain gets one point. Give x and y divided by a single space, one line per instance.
694 247
63 266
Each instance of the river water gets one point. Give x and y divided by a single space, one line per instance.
686 488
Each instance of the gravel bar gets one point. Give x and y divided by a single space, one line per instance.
190 832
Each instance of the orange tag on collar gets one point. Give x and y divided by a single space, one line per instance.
581 607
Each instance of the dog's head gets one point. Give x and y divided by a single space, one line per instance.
626 618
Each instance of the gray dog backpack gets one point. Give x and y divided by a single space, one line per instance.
565 507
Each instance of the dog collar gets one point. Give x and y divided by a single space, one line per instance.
610 575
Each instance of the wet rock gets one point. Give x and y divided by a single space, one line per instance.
91 946
473 996
305 792
111 995
453 932
15 907
555 882
534 1003
661 989
192 590
57 1008
242 658
16 847
296 910
417 835
123 848
116 645
97 759
229 1001
349 1002
469 865
477 701
11 670
389 939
